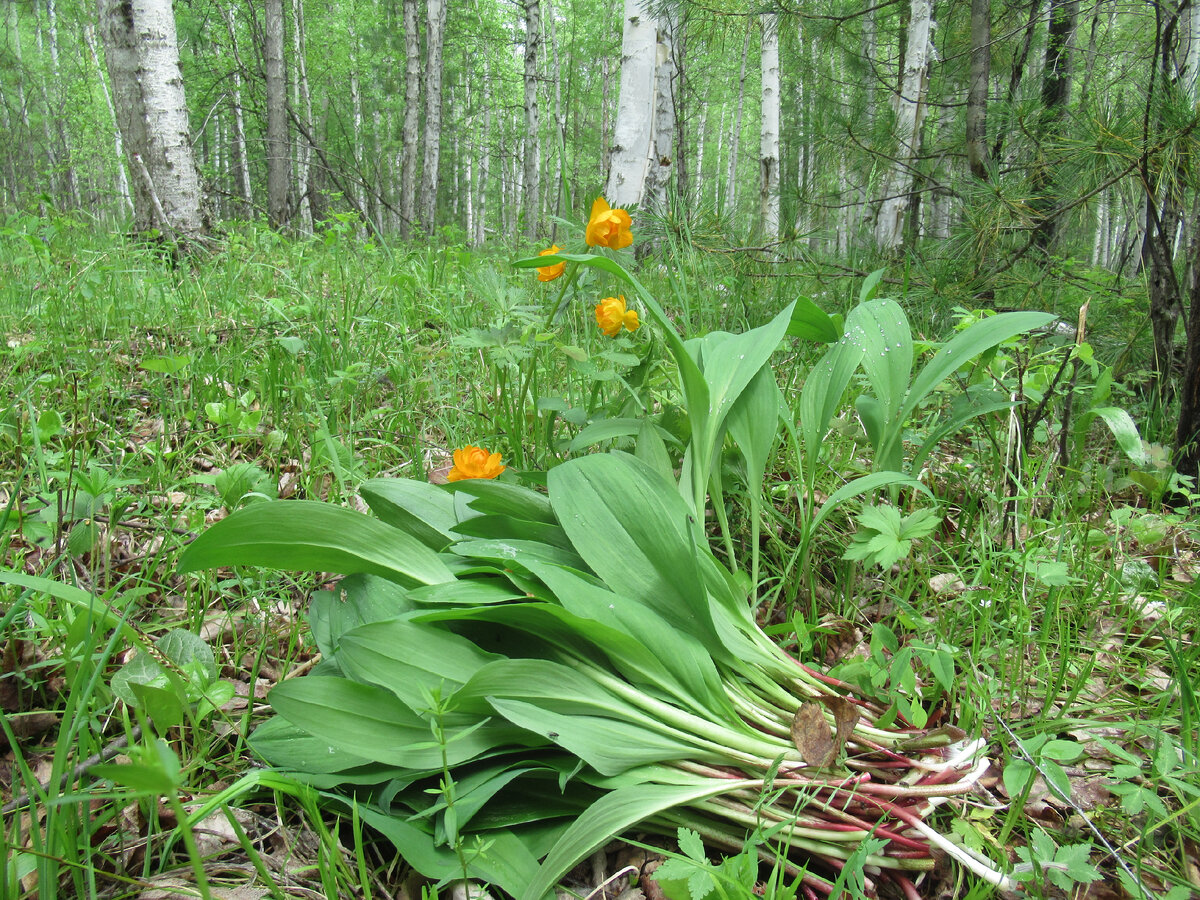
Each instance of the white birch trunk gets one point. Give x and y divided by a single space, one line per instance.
910 113
633 134
735 136
239 123
303 102
768 156
412 118
531 171
484 158
278 158
661 168
560 119
148 94
89 36
435 26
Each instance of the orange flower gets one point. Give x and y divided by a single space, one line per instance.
608 227
549 273
475 462
611 315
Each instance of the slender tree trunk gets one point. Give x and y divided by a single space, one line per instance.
910 114
735 136
64 137
239 122
530 145
148 94
634 132
434 35
768 155
89 36
484 157
1056 93
278 161
977 88
412 118
660 168
605 117
560 119
681 102
303 103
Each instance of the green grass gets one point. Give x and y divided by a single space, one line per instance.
132 381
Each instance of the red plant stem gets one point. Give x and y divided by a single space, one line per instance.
910 889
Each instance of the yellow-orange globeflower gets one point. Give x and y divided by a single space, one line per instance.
611 315
549 273
475 462
608 227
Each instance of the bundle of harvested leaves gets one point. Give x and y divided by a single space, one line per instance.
510 678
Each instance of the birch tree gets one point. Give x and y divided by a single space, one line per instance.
768 157
531 169
412 118
909 104
278 158
633 133
147 86
435 25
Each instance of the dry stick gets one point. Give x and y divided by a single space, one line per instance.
103 755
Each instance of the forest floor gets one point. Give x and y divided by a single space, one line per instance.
148 399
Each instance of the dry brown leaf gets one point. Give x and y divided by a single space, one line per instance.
811 734
947 585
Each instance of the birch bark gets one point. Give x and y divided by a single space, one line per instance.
435 25
412 118
531 169
768 156
633 133
148 94
278 158
910 114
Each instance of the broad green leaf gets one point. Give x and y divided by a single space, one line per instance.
369 721
92 604
487 497
610 816
870 285
1123 429
287 747
358 599
650 649
610 746
651 449
423 510
512 554
637 533
309 536
604 430
507 528
965 346
882 329
754 424
812 323
822 394
464 592
508 863
411 659
965 407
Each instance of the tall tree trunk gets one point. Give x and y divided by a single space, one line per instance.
60 118
910 114
634 131
735 136
531 145
977 88
278 158
1056 93
560 118
484 157
89 36
412 118
606 117
143 68
681 102
239 122
303 151
768 155
660 168
434 34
